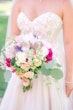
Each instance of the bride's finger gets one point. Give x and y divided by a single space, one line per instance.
68 92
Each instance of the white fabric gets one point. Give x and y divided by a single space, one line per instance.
47 26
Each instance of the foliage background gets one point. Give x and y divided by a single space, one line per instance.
5 7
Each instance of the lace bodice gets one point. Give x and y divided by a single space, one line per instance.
46 26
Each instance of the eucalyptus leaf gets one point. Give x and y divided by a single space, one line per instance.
58 65
50 64
56 73
7 75
45 71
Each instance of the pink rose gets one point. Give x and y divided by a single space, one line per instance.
29 75
8 62
26 82
49 56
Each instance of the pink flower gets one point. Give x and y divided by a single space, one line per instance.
29 75
8 62
26 81
13 71
49 56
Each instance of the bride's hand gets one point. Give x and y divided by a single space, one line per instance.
69 88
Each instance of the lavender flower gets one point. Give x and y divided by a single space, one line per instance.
19 48
35 36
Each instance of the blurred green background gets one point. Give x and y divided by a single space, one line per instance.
5 7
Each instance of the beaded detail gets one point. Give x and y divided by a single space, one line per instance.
46 26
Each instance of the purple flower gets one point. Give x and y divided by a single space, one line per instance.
35 36
19 48
49 56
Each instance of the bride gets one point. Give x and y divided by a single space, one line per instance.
45 18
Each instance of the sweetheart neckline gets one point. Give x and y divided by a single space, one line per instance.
40 15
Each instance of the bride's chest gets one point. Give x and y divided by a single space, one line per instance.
48 23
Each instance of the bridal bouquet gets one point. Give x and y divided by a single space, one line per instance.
28 55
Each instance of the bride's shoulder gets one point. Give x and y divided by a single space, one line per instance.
18 3
67 4
68 9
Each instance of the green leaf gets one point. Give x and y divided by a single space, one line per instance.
58 65
26 88
56 73
45 71
36 73
50 64
13 61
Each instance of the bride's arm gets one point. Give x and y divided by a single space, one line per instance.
68 41
14 28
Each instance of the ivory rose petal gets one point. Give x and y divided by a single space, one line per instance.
29 74
25 66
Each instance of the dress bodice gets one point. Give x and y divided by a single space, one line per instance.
46 26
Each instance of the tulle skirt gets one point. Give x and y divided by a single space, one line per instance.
40 97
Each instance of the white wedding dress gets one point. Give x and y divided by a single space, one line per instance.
48 27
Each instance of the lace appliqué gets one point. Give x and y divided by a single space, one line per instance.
46 26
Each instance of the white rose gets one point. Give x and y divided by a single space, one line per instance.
18 63
19 39
26 83
10 51
10 42
25 49
44 51
26 38
29 37
37 62
21 57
